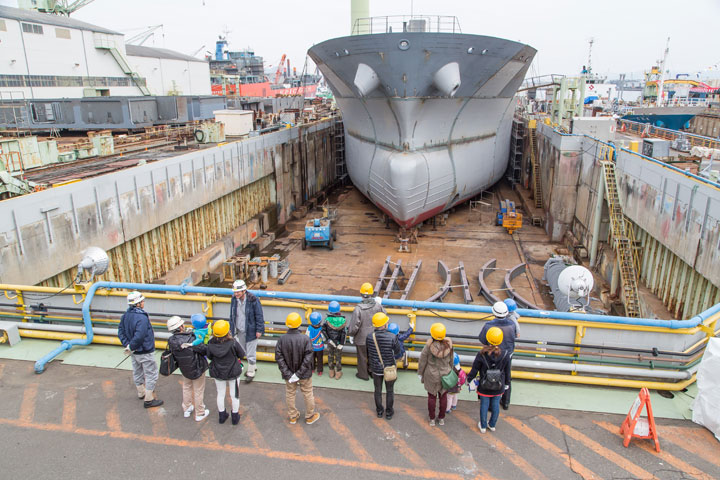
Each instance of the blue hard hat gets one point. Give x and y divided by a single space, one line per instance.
315 318
456 359
511 304
198 320
393 328
334 307
316 223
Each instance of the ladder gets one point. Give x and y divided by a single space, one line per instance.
339 147
537 181
623 239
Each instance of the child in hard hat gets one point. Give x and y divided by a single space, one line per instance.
315 333
395 330
335 331
490 366
452 397
200 328
224 354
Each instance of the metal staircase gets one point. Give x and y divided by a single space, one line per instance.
106 42
537 181
339 147
623 239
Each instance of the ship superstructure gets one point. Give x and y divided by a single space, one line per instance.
426 108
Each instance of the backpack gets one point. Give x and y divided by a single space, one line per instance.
492 380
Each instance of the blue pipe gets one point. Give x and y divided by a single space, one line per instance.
314 297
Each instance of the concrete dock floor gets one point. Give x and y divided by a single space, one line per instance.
86 422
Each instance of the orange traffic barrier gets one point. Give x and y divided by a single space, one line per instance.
637 426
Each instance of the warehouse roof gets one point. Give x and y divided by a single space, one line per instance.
152 52
32 16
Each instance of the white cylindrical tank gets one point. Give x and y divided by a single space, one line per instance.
359 9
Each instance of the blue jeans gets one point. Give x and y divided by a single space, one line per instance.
494 405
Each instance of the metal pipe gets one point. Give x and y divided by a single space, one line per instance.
183 289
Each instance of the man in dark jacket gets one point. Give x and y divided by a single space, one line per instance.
192 366
389 348
360 327
294 356
247 324
509 330
136 335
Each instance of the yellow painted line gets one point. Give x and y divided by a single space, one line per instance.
339 426
553 449
157 419
112 418
500 446
2 369
608 454
302 438
681 465
27 407
256 437
695 440
207 434
444 440
395 437
351 465
69 407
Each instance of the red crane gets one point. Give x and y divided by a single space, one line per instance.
280 66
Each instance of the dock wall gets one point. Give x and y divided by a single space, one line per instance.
151 218
676 216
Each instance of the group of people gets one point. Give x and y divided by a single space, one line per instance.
379 344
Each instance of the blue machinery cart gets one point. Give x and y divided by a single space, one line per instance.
319 233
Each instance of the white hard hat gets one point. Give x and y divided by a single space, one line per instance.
239 286
174 323
135 297
500 310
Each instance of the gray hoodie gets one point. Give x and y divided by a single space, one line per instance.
361 322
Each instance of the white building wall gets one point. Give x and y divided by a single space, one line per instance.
191 78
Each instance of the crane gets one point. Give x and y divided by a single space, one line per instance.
280 66
60 7
197 51
142 37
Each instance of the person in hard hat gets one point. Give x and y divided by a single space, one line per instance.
247 324
335 331
294 357
200 328
361 326
136 335
315 333
513 314
490 368
500 311
382 347
402 337
192 365
436 361
452 396
225 367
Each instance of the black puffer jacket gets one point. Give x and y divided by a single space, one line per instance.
480 366
336 334
294 354
191 363
224 357
389 349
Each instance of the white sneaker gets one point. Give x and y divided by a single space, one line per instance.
482 430
441 421
432 422
492 429
188 411
203 416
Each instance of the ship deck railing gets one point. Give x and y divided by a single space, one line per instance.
406 23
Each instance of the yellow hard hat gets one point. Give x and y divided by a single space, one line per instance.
379 319
366 289
494 336
293 320
438 331
221 328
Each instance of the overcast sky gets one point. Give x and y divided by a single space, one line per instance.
629 35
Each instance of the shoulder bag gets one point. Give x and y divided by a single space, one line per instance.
389 372
168 364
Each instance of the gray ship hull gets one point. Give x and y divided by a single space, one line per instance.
427 115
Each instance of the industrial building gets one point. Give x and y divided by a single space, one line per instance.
51 56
